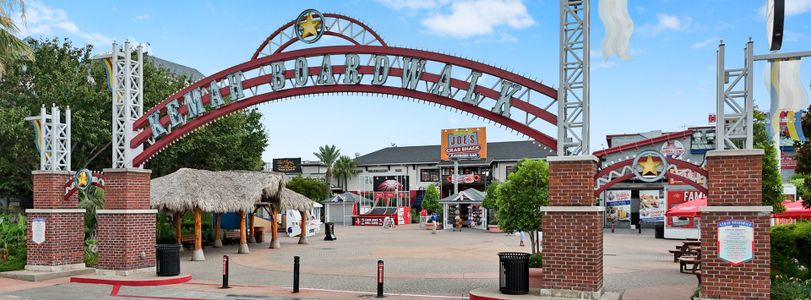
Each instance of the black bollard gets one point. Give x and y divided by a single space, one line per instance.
295 273
379 279
225 260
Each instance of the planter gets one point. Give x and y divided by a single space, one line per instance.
494 229
535 278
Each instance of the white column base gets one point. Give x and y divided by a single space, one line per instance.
57 268
251 239
198 255
217 243
274 244
303 240
243 249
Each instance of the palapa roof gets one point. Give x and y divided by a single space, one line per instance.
215 191
345 197
295 201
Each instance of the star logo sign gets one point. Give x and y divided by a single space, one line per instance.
309 26
650 166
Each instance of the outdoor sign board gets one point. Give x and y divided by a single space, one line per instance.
736 241
686 173
618 205
464 144
702 140
390 183
367 221
465 178
287 165
673 149
788 161
651 206
38 230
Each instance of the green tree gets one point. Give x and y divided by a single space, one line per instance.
772 185
345 167
328 154
491 199
520 198
11 48
430 201
310 187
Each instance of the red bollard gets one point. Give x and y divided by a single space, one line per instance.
379 279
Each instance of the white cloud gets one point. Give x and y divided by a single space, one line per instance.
142 18
667 22
706 42
413 4
479 17
793 7
41 19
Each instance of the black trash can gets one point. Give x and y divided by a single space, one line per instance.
513 276
660 230
329 233
167 259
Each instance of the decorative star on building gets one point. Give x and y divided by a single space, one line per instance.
649 166
309 27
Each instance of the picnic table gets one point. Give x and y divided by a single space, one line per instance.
688 255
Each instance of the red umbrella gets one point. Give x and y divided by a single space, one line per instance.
687 209
794 210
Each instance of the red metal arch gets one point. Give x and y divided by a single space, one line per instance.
679 163
326 15
211 116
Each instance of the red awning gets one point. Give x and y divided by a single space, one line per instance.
794 210
687 209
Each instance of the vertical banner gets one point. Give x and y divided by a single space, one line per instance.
464 144
618 205
651 206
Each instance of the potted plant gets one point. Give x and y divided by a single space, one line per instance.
535 270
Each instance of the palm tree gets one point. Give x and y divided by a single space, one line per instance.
328 154
11 48
345 168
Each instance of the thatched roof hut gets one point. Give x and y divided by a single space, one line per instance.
215 191
295 201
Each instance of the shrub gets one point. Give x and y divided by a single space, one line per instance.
791 288
13 242
91 255
536 260
790 255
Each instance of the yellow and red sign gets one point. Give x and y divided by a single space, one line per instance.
464 144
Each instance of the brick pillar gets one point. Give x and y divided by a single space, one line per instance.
734 182
63 245
572 230
126 225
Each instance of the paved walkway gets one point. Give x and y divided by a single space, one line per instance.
446 265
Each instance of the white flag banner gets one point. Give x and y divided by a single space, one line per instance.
618 28
783 80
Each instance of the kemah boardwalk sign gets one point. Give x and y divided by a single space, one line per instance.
368 65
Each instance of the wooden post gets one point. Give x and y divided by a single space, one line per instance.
303 237
178 223
217 236
197 255
243 243
274 229
251 234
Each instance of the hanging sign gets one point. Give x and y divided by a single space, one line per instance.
673 149
38 230
651 206
736 241
464 144
618 205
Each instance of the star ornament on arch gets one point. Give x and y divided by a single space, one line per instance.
310 26
650 166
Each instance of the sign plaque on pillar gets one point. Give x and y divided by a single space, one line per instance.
38 230
736 241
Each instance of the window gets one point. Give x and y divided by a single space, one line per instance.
429 175
509 170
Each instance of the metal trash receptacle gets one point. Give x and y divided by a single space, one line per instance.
660 231
259 234
329 231
513 276
167 259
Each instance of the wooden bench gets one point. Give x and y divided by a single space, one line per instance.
694 261
187 240
230 237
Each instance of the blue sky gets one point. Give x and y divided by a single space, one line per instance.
668 84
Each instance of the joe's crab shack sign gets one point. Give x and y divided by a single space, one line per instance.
367 66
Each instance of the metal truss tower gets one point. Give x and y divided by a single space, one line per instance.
734 103
128 101
573 93
53 139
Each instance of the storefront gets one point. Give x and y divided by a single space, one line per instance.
467 205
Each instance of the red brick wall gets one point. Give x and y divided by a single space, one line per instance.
64 240
572 241
49 190
126 189
122 239
721 279
572 182
734 180
573 251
